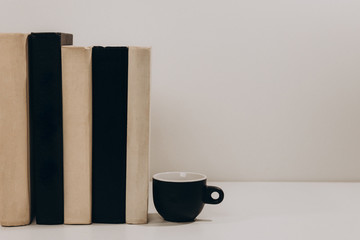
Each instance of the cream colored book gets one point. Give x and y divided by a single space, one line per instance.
77 133
138 131
14 131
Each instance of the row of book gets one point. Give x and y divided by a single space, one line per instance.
74 131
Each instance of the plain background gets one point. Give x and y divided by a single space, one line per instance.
241 90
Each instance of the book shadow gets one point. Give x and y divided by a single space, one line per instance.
154 219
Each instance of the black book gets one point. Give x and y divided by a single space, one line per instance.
46 131
109 75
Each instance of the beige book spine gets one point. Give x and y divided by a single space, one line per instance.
14 131
138 132
77 133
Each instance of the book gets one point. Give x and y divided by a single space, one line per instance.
138 131
46 132
77 133
14 144
109 75
121 116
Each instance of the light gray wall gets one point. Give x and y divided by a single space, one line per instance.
241 90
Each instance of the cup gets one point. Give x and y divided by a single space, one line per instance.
180 196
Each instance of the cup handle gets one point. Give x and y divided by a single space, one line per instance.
209 190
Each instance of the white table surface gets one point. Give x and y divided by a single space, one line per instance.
306 211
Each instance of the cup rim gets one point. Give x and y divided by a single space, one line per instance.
201 177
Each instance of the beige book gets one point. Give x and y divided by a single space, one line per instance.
14 131
77 133
138 130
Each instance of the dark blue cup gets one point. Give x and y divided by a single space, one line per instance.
181 196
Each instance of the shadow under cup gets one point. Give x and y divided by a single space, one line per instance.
180 196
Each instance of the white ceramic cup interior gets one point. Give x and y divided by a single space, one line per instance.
179 177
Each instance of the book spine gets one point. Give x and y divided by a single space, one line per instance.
77 130
14 144
138 119
46 132
109 73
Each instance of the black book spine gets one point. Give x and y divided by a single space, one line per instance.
110 76
46 132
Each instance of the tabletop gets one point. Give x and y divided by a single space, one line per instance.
250 210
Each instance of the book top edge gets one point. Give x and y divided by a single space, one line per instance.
50 33
119 47
77 47
14 34
137 47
